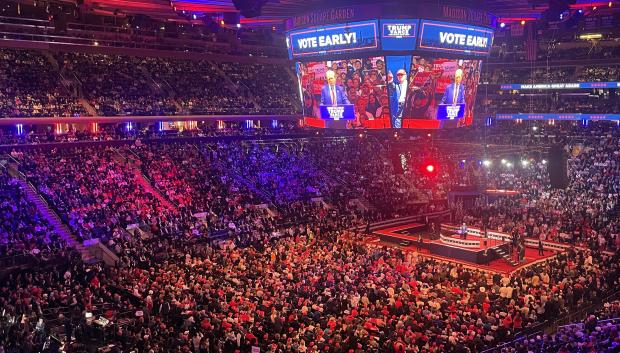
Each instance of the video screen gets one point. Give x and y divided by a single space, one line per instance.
348 93
431 92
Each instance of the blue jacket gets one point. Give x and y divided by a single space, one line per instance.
326 98
449 95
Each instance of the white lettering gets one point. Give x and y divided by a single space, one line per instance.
399 30
462 39
452 111
335 113
327 40
305 43
452 38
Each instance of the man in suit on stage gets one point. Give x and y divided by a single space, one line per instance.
332 94
455 92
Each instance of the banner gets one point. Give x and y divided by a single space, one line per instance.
455 38
356 36
398 34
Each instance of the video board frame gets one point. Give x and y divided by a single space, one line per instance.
407 40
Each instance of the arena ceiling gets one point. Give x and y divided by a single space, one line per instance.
275 12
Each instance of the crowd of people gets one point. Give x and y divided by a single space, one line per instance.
115 85
92 192
31 87
557 50
292 278
40 84
597 333
23 229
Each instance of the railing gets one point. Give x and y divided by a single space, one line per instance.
537 329
39 30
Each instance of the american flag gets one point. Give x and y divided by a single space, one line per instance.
531 45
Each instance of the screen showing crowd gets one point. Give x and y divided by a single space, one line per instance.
402 91
430 89
346 93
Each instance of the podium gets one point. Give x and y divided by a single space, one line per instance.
337 112
450 111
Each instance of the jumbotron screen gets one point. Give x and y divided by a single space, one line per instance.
389 92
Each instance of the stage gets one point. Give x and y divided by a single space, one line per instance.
487 253
448 244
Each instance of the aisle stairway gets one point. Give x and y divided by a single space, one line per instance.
53 218
148 187
131 161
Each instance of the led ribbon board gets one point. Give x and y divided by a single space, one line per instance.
552 116
354 36
455 38
575 85
399 34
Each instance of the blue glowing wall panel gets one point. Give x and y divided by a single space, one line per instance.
454 38
338 39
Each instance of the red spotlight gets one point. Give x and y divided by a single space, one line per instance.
430 168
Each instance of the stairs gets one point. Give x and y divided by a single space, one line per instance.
62 229
367 204
146 184
162 86
234 87
504 255
88 107
51 59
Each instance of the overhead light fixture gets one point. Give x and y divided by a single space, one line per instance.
591 36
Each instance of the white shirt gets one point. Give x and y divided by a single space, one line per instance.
403 91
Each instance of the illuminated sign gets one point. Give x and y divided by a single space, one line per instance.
552 116
450 111
337 112
579 85
455 38
398 34
356 36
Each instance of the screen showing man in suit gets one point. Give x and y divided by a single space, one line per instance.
360 82
331 93
432 82
455 92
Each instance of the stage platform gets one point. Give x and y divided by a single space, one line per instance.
469 252
448 244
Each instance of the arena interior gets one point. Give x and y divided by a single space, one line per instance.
307 176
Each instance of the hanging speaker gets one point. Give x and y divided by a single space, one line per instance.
557 167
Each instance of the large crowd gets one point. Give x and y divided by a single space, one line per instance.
31 87
44 84
228 242
239 244
23 229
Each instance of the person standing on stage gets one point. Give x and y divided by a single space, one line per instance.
455 92
464 231
419 241
331 93
541 250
